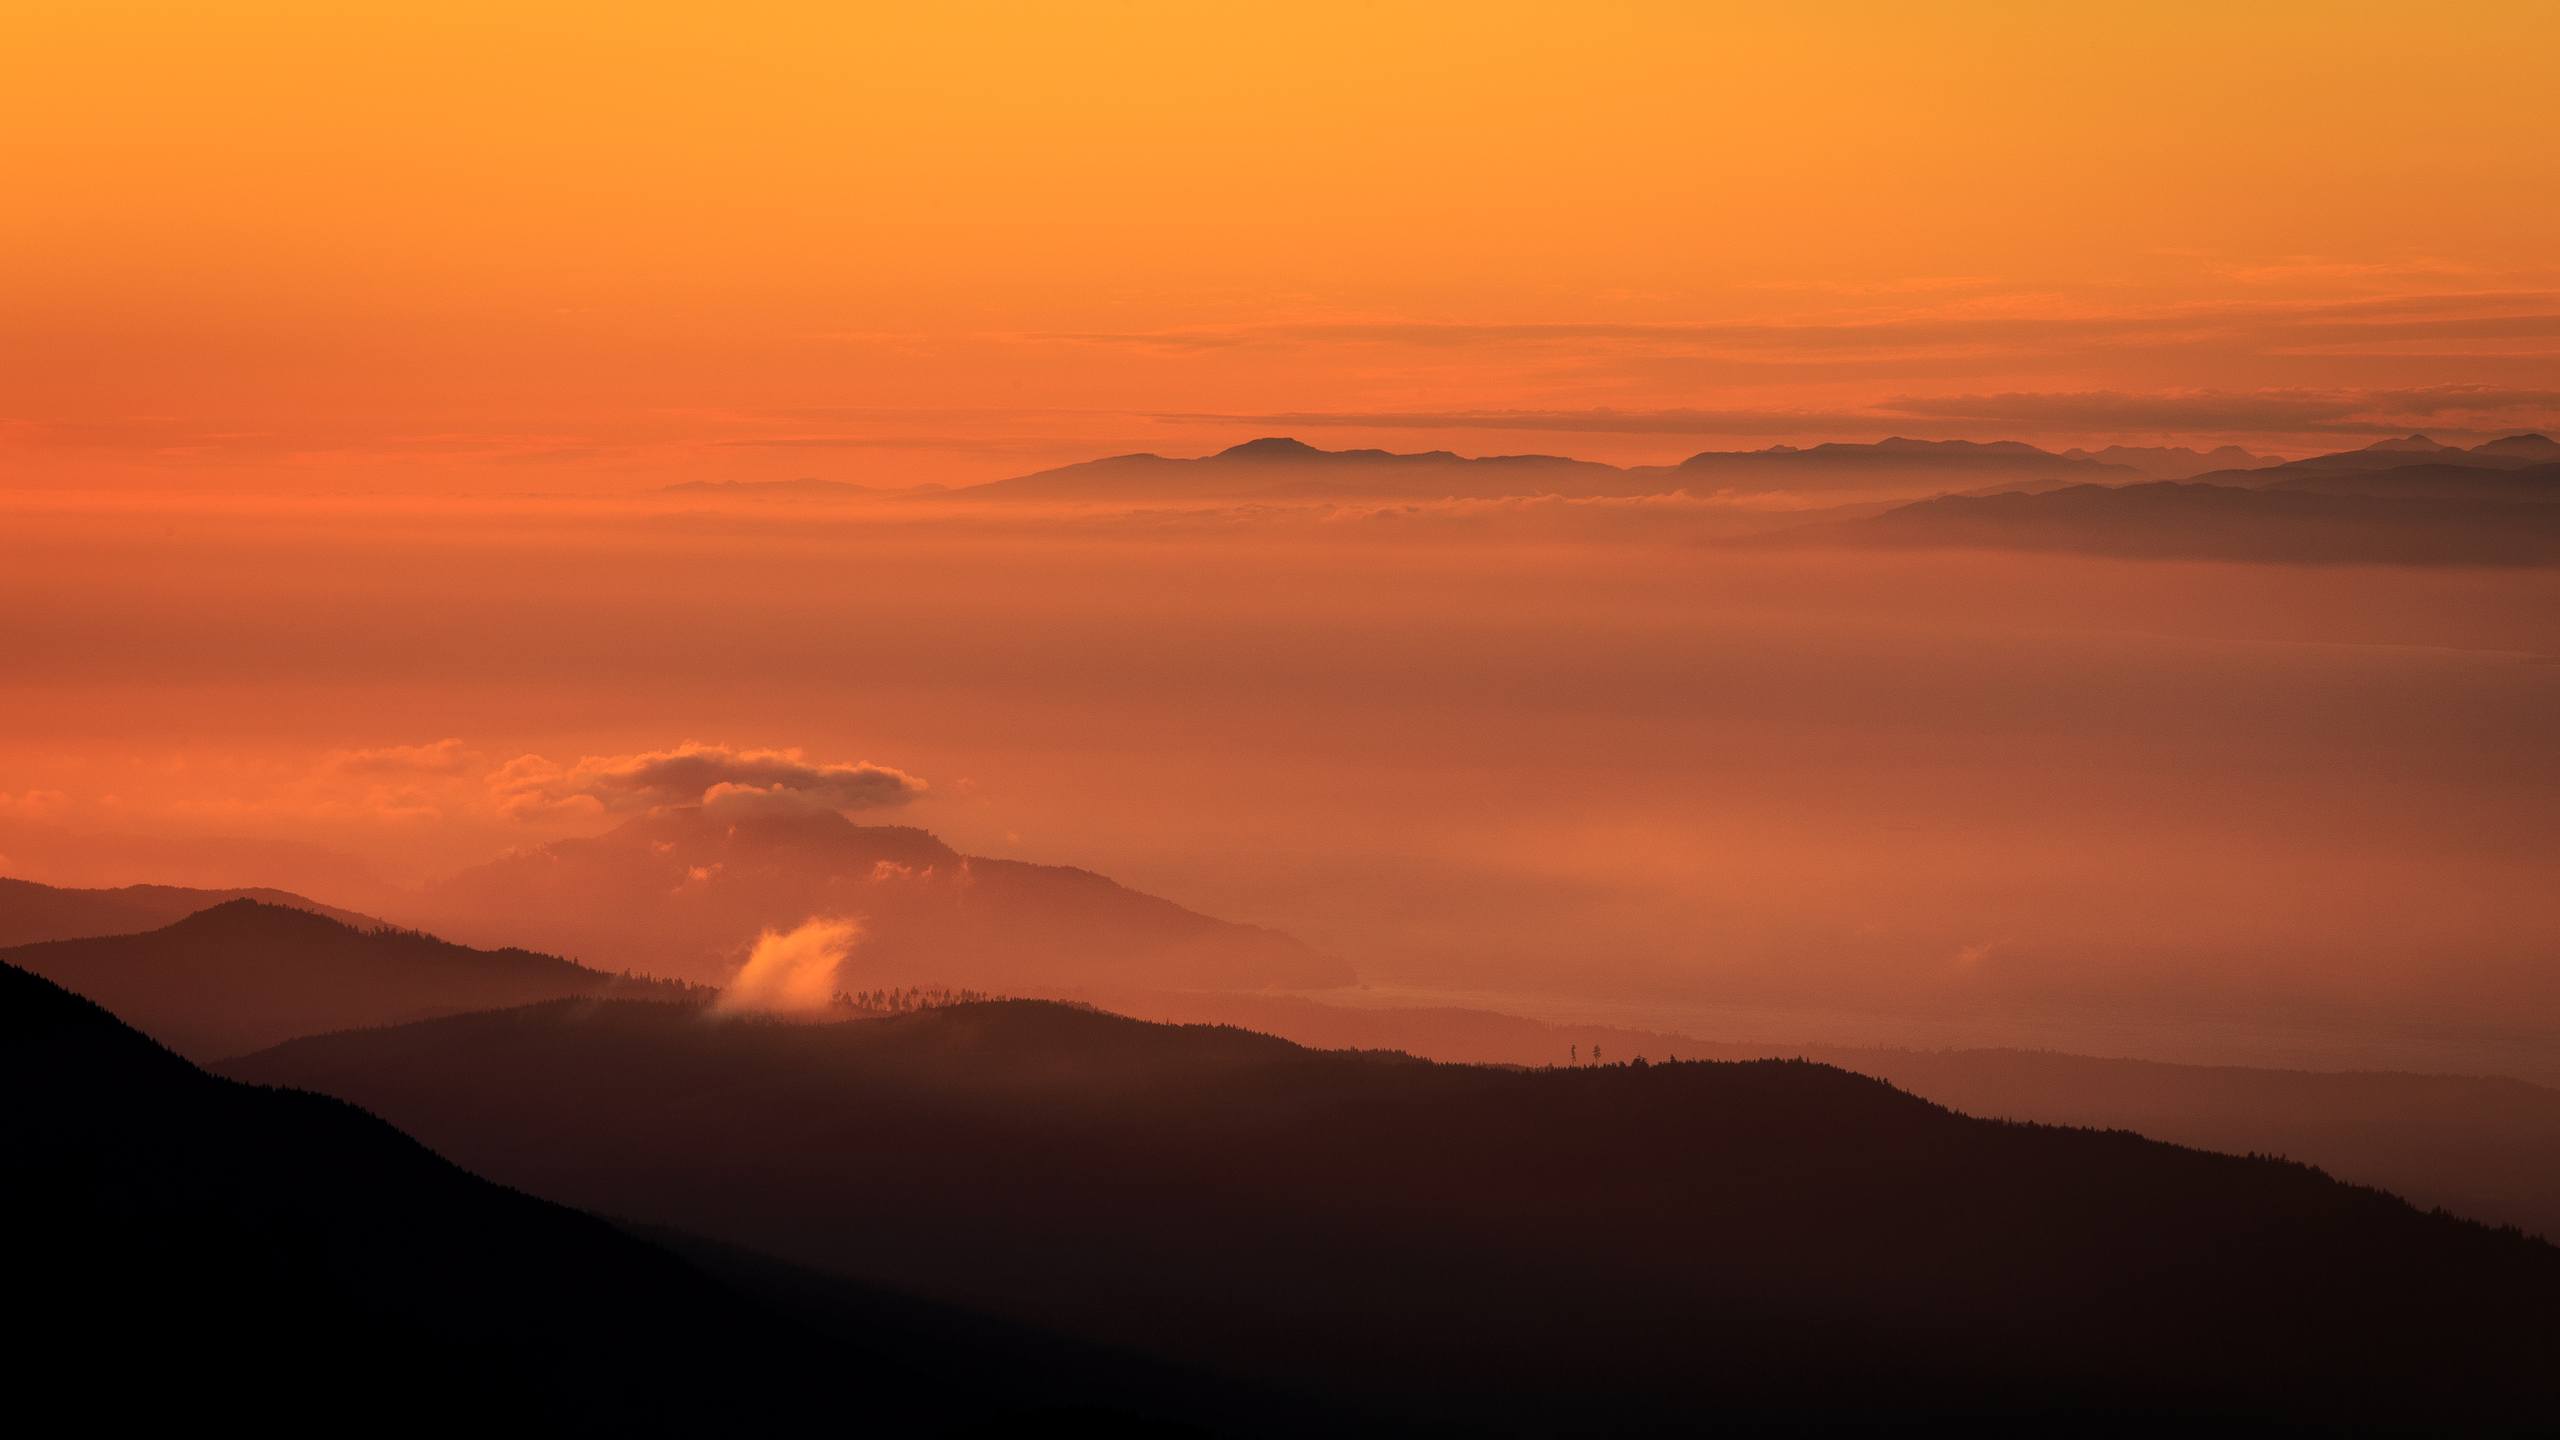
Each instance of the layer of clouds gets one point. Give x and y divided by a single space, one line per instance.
2348 413
448 756
794 971
2013 322
532 786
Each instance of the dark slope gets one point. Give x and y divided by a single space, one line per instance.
1531 1250
30 912
243 975
2172 520
196 1248
2484 1147
2479 1146
192 1251
685 892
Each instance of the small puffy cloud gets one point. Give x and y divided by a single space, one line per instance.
716 776
33 804
448 756
792 971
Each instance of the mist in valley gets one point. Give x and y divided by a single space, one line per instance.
1613 772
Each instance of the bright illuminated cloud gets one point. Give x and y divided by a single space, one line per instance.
794 971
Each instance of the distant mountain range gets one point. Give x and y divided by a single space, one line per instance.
685 892
186 1251
2174 462
30 912
1279 469
243 974
2148 501
2511 452
1484 1249
2287 522
2408 501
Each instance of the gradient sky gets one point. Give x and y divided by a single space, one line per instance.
507 246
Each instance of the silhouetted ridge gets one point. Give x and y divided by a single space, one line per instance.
2512 452
2339 522
30 912
1271 447
188 1250
1532 1251
243 974
254 917
211 1229
2531 446
1279 468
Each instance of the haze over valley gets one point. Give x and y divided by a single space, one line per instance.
1511 720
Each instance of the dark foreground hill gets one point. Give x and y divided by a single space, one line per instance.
245 974
191 1252
30 912
1542 1251
2485 1147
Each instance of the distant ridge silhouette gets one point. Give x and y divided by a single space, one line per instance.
30 912
1280 468
245 974
2310 517
1283 468
2509 452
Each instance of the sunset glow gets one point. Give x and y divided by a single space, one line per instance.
1345 719
504 247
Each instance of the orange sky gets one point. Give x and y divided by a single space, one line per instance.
550 246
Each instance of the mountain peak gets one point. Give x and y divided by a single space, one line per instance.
2529 443
245 916
1270 447
2419 443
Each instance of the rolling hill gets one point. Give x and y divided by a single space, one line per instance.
2484 1147
246 974
1485 1248
30 912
